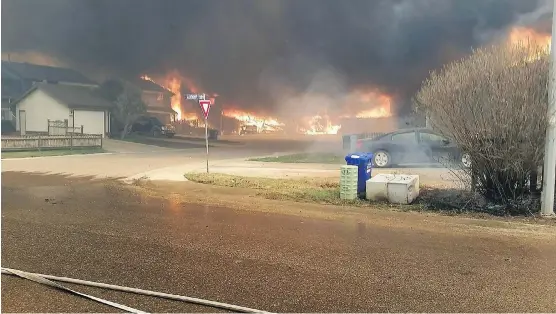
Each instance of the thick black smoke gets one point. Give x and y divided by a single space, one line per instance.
252 52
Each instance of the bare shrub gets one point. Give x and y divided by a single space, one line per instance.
493 105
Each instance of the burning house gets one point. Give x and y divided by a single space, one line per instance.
274 80
157 99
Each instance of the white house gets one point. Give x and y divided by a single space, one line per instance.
77 105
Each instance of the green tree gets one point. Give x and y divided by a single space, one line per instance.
128 104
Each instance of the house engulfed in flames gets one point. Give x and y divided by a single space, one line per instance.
374 114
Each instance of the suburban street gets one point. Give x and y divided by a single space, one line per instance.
75 221
130 160
280 156
285 261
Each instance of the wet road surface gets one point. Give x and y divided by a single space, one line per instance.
103 231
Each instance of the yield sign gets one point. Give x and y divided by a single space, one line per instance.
205 106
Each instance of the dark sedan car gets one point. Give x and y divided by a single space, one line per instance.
151 126
410 146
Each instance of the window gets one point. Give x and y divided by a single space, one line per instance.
431 138
404 137
160 97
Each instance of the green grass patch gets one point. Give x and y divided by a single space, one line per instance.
316 158
53 152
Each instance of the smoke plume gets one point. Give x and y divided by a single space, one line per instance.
266 55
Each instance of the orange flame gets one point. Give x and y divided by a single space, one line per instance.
174 85
321 125
377 104
523 35
147 78
173 82
380 104
189 116
263 123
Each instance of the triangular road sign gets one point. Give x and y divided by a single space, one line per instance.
205 106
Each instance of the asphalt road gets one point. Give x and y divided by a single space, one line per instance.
398 262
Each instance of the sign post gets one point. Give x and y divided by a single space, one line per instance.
205 106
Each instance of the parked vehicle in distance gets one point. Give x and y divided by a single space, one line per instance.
248 129
411 146
151 126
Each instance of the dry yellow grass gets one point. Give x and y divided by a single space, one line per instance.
326 191
319 190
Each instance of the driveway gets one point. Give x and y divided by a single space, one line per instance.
124 159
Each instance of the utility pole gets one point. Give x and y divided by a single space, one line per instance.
549 170
207 140
221 119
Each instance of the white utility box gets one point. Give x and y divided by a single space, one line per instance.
394 188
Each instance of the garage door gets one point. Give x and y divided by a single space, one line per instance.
92 121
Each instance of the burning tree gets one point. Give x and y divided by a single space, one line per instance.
128 104
493 105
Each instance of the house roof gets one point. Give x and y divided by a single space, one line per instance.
75 97
37 72
150 86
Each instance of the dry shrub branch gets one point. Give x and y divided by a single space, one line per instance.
493 105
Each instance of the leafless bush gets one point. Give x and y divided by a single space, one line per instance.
493 105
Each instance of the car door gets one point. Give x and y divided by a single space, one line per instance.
438 147
404 146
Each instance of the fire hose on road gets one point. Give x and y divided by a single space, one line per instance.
52 282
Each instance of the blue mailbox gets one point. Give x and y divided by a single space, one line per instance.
363 161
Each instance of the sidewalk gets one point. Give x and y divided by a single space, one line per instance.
125 147
242 167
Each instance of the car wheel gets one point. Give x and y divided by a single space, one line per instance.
466 160
381 159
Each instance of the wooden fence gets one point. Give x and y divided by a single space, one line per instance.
59 127
46 142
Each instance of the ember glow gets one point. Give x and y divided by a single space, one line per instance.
530 38
173 82
174 85
361 103
147 78
366 103
263 123
523 35
379 104
321 125
189 117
